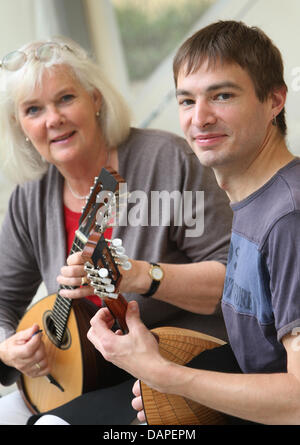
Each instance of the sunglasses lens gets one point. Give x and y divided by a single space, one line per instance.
14 61
45 52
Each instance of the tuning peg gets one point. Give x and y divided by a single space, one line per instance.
110 288
91 271
116 242
127 265
88 266
116 246
106 295
103 272
92 276
96 285
105 280
124 262
122 258
119 250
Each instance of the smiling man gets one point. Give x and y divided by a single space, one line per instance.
231 95
218 115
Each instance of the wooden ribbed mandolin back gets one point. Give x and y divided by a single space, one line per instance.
179 346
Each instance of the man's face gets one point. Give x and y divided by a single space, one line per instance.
221 116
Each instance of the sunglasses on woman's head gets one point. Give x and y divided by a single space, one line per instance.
16 59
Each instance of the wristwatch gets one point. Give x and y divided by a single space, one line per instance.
157 274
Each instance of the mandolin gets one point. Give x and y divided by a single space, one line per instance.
176 344
76 366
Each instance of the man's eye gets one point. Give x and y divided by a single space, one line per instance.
186 102
223 96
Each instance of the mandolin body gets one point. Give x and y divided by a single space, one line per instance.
179 346
75 364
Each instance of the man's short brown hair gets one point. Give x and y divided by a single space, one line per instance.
235 42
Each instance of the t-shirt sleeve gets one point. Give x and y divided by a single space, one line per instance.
283 253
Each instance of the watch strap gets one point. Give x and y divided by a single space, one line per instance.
154 285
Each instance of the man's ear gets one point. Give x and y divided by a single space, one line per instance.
278 97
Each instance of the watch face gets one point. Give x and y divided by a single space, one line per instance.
156 273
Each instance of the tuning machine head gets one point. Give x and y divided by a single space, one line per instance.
118 252
102 285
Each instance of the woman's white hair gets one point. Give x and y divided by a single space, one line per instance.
20 159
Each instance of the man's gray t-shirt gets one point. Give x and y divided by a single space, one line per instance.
261 294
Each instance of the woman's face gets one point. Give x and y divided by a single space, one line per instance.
60 120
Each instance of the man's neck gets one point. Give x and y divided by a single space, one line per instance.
243 180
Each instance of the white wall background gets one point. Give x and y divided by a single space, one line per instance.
280 20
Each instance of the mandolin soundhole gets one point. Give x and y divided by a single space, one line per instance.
54 334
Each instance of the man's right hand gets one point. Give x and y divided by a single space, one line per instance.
137 402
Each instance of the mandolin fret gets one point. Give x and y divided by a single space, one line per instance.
59 327
77 245
58 322
60 315
62 306
78 248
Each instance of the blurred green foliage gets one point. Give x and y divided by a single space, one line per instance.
151 29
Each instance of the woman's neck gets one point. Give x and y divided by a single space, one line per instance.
80 178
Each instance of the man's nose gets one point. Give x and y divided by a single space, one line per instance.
203 114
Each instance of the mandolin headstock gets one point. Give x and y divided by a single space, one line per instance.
103 257
102 204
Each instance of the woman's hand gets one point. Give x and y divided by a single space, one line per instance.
73 275
136 280
26 352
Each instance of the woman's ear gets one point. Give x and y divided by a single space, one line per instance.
97 97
